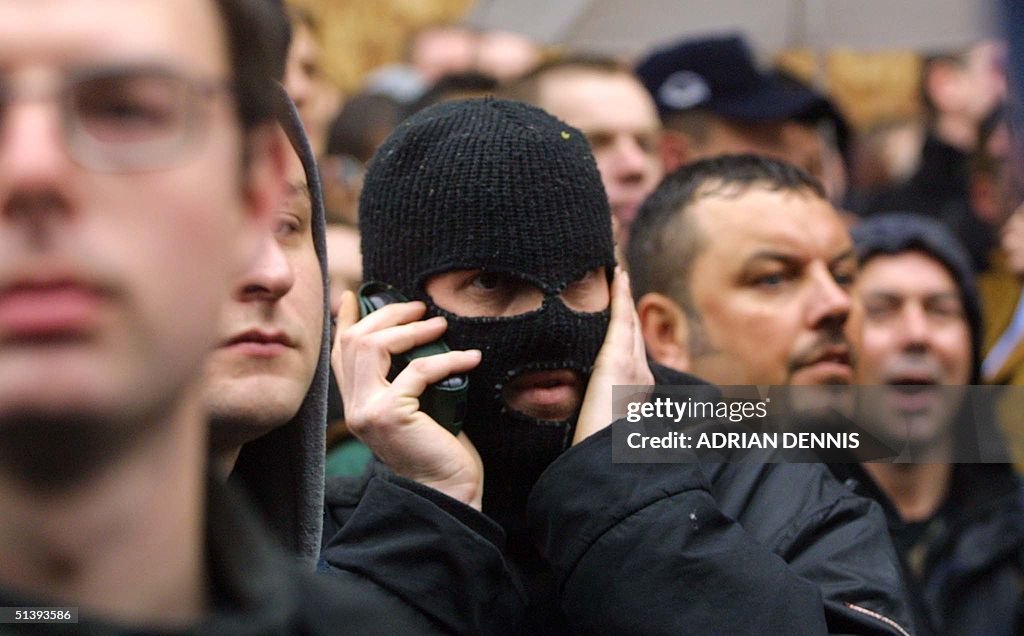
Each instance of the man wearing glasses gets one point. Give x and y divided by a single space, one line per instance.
139 171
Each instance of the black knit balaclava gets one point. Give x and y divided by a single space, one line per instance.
503 187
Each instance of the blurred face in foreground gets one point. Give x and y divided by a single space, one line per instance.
125 212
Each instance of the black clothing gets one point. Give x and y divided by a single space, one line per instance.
256 590
483 184
801 556
965 564
940 189
283 471
433 552
673 548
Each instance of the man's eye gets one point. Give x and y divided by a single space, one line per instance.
647 143
123 112
586 278
599 140
844 279
488 281
946 311
128 109
879 311
287 227
770 280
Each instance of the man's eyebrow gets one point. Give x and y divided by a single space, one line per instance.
889 294
882 294
850 253
298 187
770 255
792 259
944 295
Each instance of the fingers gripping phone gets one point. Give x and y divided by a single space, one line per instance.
444 401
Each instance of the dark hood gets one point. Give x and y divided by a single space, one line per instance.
283 471
897 232
978 438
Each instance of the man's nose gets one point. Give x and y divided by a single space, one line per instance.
829 303
913 326
270 276
630 158
34 163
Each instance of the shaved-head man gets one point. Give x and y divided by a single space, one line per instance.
741 271
610 105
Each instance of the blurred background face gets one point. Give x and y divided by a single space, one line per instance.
438 51
308 85
969 85
912 337
505 55
983 78
111 282
344 262
618 117
770 289
258 377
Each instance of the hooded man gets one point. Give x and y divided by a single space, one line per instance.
490 215
266 390
958 527
266 383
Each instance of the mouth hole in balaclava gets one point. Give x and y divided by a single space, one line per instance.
552 394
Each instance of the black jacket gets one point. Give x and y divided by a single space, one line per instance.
256 590
438 555
724 548
692 548
967 575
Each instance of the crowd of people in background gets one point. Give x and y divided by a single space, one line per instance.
202 430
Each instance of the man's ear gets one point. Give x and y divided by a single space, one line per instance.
674 149
666 331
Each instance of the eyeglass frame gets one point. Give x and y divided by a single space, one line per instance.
81 147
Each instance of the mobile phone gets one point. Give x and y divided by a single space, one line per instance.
444 401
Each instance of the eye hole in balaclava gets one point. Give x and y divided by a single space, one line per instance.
476 293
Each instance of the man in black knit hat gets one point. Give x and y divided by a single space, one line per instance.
491 217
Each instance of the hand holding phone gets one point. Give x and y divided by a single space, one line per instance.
444 401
